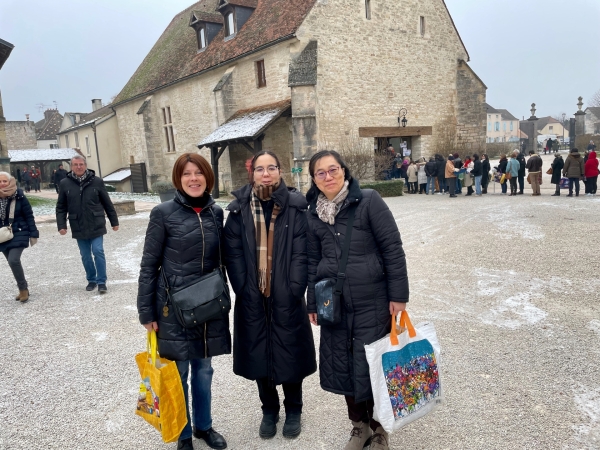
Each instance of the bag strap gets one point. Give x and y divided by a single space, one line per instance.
11 212
404 323
152 346
219 237
341 276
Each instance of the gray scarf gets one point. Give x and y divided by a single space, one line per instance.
4 207
326 209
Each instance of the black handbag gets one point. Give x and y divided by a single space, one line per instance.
203 300
328 292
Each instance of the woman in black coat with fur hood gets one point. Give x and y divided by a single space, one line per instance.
375 285
265 251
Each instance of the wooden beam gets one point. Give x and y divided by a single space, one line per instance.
394 131
245 144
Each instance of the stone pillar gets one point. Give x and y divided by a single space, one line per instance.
4 159
531 131
579 123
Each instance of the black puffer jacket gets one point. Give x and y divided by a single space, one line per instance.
186 246
440 168
557 167
521 159
375 276
431 169
85 203
477 170
272 337
23 225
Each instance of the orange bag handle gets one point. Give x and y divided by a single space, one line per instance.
404 323
152 346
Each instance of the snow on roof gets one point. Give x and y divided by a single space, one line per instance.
53 154
246 124
118 175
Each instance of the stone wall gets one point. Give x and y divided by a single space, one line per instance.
471 116
20 135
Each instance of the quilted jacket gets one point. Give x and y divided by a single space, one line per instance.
186 246
272 337
23 224
375 275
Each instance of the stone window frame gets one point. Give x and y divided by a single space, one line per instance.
201 33
229 34
368 9
87 146
67 141
76 136
497 126
261 81
168 128
511 126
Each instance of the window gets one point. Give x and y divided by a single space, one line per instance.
368 9
87 146
53 146
230 24
422 26
260 74
551 128
511 126
489 126
201 38
76 139
67 141
168 126
504 126
497 126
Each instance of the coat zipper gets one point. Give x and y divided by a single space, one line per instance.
202 265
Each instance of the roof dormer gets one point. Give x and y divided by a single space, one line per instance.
207 26
235 14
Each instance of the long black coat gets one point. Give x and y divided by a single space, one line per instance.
375 276
272 337
557 167
485 167
440 168
85 205
23 225
186 246
477 170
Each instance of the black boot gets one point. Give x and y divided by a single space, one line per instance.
211 437
185 444
268 426
292 425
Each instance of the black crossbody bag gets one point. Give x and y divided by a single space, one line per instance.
328 292
202 300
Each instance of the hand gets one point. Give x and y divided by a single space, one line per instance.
32 241
313 319
116 228
151 326
62 232
397 307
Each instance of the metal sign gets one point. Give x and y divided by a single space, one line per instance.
296 169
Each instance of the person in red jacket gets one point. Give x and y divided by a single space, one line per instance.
591 174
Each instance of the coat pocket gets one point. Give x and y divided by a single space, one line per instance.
99 220
73 222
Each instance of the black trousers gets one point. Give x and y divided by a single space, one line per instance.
13 256
451 185
270 397
361 412
574 181
521 182
591 185
513 185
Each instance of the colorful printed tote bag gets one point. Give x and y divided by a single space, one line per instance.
405 374
160 400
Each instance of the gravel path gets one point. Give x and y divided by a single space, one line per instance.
510 283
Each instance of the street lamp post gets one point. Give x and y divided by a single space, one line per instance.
563 125
403 113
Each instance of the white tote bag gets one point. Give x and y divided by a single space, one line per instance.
405 374
6 233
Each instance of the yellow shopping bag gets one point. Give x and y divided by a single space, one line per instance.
160 401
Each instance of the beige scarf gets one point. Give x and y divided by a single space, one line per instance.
264 235
327 210
5 194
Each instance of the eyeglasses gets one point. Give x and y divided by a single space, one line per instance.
272 170
322 174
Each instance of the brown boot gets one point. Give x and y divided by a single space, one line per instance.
379 440
359 436
18 297
23 295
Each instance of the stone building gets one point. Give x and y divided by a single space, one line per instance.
5 50
592 120
47 129
502 126
294 76
20 134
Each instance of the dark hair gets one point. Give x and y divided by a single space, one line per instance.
200 162
574 150
431 158
475 156
455 155
314 191
450 158
258 155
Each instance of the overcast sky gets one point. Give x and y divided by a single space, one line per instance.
70 51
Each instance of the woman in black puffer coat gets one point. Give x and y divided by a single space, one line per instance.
272 338
183 239
375 286
23 226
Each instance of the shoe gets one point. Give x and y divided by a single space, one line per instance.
453 196
570 195
379 440
23 295
102 289
185 444
359 435
576 195
268 426
555 195
520 193
292 425
211 437
91 286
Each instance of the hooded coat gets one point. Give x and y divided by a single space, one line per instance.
23 224
557 167
441 167
574 166
375 276
186 246
591 165
272 337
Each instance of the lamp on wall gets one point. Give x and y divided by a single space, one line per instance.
403 113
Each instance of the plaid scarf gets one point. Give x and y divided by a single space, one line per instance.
264 235
82 177
7 193
326 209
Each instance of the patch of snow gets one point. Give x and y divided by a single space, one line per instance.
33 155
515 226
114 425
100 336
514 312
129 256
129 281
131 308
587 401
147 197
594 325
118 175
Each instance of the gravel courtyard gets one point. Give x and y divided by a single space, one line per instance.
511 285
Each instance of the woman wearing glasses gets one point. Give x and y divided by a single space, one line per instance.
265 251
375 285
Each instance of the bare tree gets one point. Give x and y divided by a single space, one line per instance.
595 100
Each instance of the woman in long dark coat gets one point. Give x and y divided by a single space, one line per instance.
376 285
265 248
557 167
182 241
24 230
485 179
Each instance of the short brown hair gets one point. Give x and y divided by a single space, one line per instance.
200 162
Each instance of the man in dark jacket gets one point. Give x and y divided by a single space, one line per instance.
440 164
26 178
521 177
534 166
84 197
431 173
36 178
557 166
458 165
60 175
574 171
485 179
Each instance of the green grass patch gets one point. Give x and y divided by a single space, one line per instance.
392 188
38 201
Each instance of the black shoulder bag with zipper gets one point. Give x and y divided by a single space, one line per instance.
202 300
328 292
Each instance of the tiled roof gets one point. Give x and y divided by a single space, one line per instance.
175 55
247 123
208 17
246 3
87 119
34 155
490 109
49 127
595 110
506 115
5 49
543 121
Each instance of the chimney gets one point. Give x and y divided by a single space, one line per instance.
27 116
96 104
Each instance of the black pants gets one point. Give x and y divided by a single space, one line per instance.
13 256
451 185
571 182
513 185
361 412
591 185
521 183
423 187
270 397
557 192
412 187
